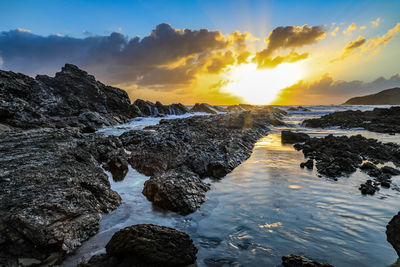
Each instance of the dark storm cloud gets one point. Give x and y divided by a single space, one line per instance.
288 37
166 56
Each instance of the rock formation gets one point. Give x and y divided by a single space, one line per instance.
146 245
148 108
381 120
292 260
393 233
178 153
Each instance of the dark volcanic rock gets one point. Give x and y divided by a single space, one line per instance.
393 233
299 108
381 120
52 194
292 260
72 98
194 147
118 166
290 137
369 188
206 108
148 108
309 164
338 156
177 190
146 245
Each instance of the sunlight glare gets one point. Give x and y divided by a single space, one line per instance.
261 86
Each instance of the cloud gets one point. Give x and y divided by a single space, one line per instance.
375 23
328 91
350 28
289 58
350 47
372 45
168 56
220 62
288 37
363 27
23 30
334 32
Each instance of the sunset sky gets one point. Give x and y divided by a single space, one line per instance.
219 52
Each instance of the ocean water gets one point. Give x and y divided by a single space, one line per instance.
268 207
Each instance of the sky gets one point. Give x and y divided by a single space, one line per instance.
219 52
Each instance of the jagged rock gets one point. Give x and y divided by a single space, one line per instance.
290 137
148 108
52 194
309 164
206 108
118 166
381 120
390 170
71 98
178 190
146 245
299 108
369 188
341 155
393 233
193 147
292 260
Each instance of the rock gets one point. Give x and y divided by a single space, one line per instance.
381 120
292 260
341 155
177 190
191 149
54 194
390 170
299 108
148 108
309 164
369 188
147 245
290 137
205 108
393 233
118 166
71 98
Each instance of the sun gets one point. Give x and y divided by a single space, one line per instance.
261 86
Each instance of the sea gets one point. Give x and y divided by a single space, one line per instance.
268 206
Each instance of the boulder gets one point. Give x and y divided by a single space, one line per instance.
148 108
393 233
205 108
146 245
292 260
290 137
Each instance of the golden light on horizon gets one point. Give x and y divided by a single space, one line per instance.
261 86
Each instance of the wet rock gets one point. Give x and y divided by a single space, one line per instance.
381 120
71 98
292 260
54 194
341 155
309 164
147 245
118 166
390 170
178 190
369 188
148 108
290 137
393 233
299 108
193 148
206 108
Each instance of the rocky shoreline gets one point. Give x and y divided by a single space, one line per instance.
52 185
381 120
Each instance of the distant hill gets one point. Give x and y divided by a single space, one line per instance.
385 97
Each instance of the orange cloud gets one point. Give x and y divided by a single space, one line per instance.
348 30
375 23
